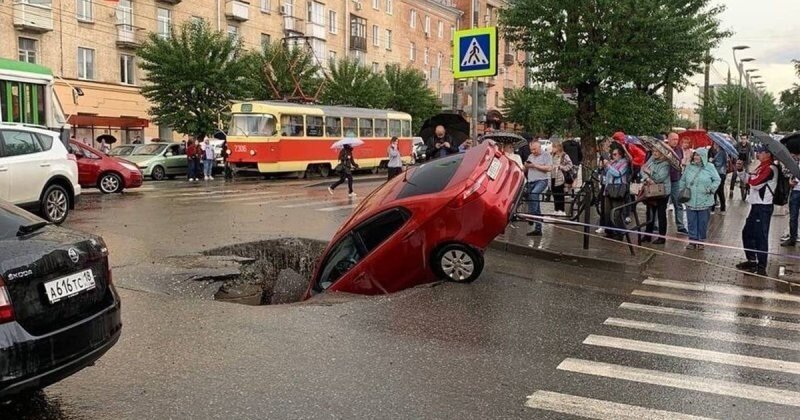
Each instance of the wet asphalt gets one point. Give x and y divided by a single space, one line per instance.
438 351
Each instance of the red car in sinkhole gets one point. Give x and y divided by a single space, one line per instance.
432 222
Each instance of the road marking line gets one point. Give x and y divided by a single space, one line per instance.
226 197
237 199
283 199
722 289
346 206
708 301
724 316
198 193
693 354
681 381
306 204
713 335
599 409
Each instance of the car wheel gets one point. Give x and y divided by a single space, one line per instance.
55 204
158 173
110 183
458 263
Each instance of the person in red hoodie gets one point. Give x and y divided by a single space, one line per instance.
755 235
191 152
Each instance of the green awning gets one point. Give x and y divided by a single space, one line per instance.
16 65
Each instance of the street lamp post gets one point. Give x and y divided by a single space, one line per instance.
739 69
756 107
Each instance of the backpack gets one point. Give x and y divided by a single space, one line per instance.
780 196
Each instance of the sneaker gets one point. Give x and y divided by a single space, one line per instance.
211 178
789 242
535 233
691 246
761 271
683 231
352 194
330 190
205 179
785 237
600 231
747 265
699 247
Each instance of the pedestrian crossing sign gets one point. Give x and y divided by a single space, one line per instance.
475 53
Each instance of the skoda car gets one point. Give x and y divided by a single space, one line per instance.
59 311
433 222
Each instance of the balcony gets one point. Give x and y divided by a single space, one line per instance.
33 17
128 36
292 25
237 10
315 31
173 2
358 43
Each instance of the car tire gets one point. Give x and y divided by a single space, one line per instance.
457 263
110 183
54 206
158 173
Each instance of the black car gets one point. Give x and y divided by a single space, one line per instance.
59 311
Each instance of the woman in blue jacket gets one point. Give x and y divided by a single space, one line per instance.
656 171
702 178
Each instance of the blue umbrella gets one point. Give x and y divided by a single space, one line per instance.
723 141
632 139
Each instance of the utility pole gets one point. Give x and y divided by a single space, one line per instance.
474 128
706 88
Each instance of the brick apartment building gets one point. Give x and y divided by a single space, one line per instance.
91 45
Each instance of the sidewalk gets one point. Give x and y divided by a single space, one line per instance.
564 243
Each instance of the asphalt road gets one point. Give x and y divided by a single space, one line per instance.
528 339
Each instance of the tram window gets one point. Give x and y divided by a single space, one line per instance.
381 129
365 125
3 97
253 125
394 128
313 126
16 114
40 108
350 127
292 125
333 126
406 128
27 95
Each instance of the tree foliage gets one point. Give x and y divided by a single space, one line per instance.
409 93
788 118
192 77
732 107
632 111
594 45
351 83
279 68
541 111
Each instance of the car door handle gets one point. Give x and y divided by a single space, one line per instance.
3 168
44 165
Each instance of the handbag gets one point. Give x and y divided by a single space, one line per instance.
653 191
568 177
686 193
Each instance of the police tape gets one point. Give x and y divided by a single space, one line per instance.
556 221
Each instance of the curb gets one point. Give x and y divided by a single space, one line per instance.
573 260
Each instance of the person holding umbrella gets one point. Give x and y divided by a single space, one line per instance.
755 235
792 142
346 164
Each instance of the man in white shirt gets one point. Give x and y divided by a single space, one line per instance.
539 165
755 235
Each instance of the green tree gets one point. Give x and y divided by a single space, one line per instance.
591 45
632 111
540 111
788 118
192 76
410 93
285 71
353 84
721 111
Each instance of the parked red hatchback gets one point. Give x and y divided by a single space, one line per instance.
98 170
433 222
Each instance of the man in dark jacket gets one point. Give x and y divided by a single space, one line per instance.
440 144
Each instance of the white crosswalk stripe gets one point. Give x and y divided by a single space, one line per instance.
714 312
334 208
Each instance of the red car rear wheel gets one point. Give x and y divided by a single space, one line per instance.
458 263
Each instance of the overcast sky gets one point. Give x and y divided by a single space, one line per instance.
769 27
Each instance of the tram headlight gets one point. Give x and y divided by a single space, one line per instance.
252 152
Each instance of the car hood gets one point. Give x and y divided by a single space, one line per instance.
138 159
22 251
121 160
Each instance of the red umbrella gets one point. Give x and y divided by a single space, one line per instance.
699 138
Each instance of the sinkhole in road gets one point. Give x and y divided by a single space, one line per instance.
271 271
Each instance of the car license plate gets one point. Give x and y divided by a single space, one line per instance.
69 286
494 168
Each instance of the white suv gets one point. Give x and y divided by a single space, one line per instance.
37 172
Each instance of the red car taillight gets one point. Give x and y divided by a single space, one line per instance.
6 310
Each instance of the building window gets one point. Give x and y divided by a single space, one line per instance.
233 32
358 33
388 39
83 10
389 7
332 24
427 25
27 50
440 30
85 63
125 14
266 39
439 61
375 67
197 21
376 4
316 13
332 57
164 22
266 6
126 69
425 56
376 36
413 19
412 52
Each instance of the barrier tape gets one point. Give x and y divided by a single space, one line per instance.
556 221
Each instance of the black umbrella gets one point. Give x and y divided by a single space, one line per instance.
455 125
220 135
792 142
506 138
779 151
106 138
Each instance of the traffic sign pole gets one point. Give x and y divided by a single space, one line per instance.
474 128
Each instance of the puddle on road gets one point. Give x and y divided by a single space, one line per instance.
271 272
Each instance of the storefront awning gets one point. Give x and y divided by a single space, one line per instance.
107 122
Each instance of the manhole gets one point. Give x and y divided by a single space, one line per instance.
271 272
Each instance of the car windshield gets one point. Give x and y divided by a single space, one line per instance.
12 218
253 125
121 151
431 177
149 149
